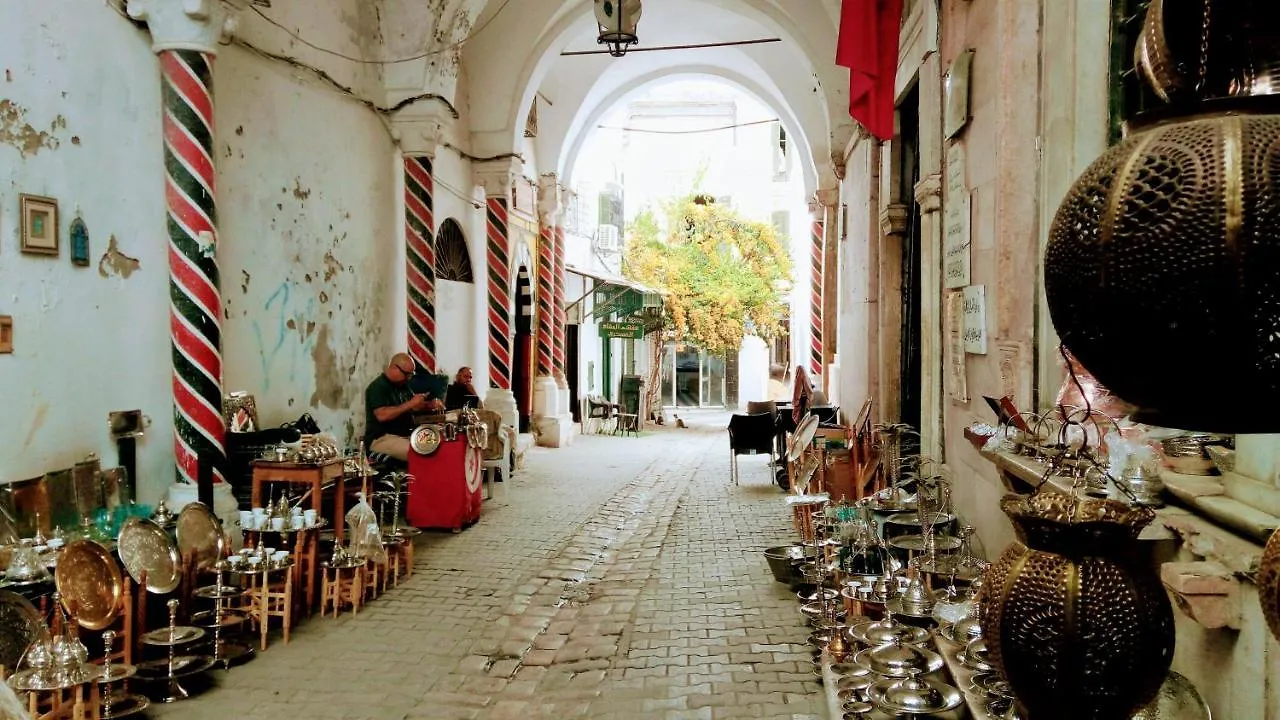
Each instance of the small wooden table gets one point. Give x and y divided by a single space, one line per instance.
265 471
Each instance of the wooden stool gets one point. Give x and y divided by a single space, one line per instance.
342 585
400 560
273 600
375 574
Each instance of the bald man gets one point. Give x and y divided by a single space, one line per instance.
389 407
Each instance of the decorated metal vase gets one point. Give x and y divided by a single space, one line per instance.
1072 617
1161 262
1269 583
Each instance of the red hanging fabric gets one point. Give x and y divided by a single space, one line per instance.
868 46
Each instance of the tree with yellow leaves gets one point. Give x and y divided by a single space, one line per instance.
721 274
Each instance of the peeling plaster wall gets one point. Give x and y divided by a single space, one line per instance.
310 239
80 122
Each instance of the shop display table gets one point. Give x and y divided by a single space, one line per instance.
315 475
444 489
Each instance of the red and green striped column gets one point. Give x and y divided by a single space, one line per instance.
420 256
816 255
545 336
557 298
194 298
498 263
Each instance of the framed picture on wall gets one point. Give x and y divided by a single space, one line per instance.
39 218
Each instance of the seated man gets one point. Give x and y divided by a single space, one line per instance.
461 392
389 408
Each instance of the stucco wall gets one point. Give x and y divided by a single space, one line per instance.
80 122
304 244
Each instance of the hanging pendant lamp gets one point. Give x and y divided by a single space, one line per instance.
618 20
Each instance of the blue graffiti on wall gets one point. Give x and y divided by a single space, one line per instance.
287 338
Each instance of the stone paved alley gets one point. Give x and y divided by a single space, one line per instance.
618 578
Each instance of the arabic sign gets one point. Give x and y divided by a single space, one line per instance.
621 329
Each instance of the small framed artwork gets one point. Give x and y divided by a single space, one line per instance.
79 236
6 334
39 225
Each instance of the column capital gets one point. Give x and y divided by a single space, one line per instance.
929 193
550 199
893 219
498 177
187 24
824 199
419 127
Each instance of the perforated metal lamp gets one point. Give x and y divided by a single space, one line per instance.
617 20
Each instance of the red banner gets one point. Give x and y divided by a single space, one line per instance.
868 46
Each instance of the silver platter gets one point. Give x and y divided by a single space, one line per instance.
895 606
128 705
20 626
179 635
915 543
36 680
207 619
219 592
973 663
183 665
116 672
1178 700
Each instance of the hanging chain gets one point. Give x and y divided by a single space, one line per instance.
1204 49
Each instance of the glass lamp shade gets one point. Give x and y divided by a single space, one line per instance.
618 20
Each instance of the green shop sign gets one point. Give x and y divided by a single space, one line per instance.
622 329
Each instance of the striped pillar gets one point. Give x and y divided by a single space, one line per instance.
545 338
817 253
557 299
419 232
195 304
499 267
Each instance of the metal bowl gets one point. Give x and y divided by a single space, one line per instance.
915 695
887 631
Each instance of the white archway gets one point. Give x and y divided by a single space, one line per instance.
500 99
589 115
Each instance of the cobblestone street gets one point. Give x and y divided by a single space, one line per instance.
617 578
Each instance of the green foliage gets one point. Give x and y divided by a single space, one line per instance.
719 271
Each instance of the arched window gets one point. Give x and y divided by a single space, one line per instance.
453 261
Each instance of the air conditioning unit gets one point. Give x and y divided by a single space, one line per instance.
608 239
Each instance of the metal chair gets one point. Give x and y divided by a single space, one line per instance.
750 435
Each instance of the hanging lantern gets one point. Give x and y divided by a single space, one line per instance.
1162 261
618 20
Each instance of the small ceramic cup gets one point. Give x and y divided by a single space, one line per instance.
277 523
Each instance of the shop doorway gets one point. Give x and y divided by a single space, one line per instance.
909 401
571 369
692 378
522 355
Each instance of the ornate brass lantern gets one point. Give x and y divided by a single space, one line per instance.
1162 261
1073 616
618 20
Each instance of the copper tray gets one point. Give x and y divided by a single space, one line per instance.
20 626
200 536
89 581
145 548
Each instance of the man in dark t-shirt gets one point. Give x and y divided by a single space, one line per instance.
389 408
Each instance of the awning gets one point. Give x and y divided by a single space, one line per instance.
618 298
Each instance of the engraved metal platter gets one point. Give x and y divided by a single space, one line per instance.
915 543
127 705
31 680
182 666
1178 700
89 581
176 635
425 439
802 437
146 549
200 536
20 626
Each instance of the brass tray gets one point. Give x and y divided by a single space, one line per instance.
20 626
200 536
145 548
425 439
89 581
